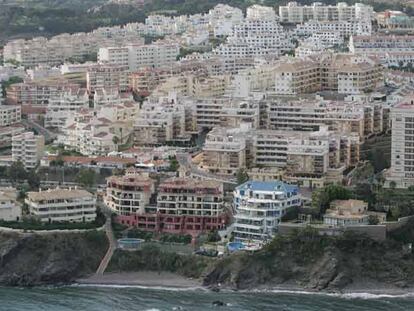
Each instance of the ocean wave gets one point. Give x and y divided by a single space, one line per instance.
347 295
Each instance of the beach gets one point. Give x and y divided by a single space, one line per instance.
142 278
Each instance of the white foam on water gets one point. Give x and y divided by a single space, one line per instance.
164 288
348 295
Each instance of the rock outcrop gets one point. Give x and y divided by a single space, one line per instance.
32 259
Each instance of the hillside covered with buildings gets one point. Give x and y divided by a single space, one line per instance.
240 144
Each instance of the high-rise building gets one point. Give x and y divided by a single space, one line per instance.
28 148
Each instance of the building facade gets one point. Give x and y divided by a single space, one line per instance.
62 205
259 207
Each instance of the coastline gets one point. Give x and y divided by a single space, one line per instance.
142 278
168 280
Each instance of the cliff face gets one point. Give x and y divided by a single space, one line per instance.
317 263
49 259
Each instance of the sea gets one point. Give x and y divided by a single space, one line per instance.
102 298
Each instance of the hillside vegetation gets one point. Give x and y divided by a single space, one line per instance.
51 17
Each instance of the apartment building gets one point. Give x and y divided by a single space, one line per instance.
297 77
160 122
224 151
37 93
105 97
10 208
212 112
61 106
259 12
223 18
194 85
181 206
344 28
296 13
144 81
60 48
307 158
9 114
286 113
62 205
129 194
185 206
393 50
156 55
92 131
343 73
7 132
107 77
402 144
28 148
259 208
255 38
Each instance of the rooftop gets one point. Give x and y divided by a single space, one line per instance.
268 186
54 194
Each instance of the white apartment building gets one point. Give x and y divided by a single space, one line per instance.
62 205
28 148
259 208
10 114
296 13
259 12
307 49
159 122
402 144
58 49
92 131
344 28
255 38
103 97
60 107
392 50
158 54
223 18
10 208
37 93
107 77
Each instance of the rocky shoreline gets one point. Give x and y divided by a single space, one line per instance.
172 281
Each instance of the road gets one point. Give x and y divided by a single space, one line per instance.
49 136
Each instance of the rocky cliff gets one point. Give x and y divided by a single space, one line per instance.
32 259
309 261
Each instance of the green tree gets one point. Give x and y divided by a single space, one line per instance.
373 220
213 236
241 176
6 84
16 172
86 178
321 198
174 165
33 180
